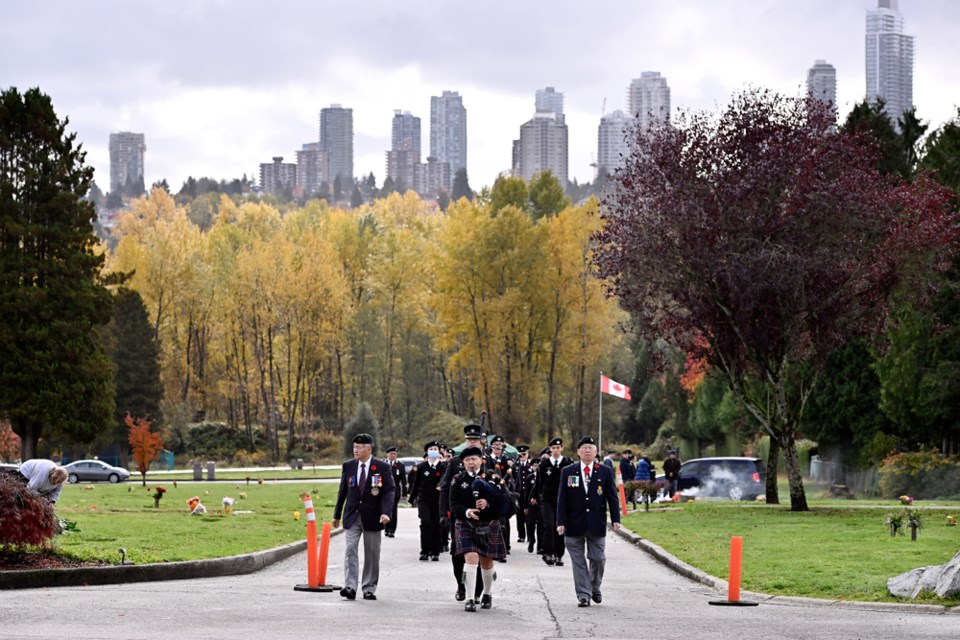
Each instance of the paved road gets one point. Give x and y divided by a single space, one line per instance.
642 599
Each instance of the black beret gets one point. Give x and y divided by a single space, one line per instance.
391 449
497 439
627 451
363 438
545 451
556 441
586 440
535 461
522 448
473 431
432 443
471 451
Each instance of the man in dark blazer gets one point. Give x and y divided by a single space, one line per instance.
400 481
365 500
587 490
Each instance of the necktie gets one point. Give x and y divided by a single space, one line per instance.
363 477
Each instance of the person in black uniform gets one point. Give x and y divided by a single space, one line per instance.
496 461
531 509
425 493
520 469
400 480
477 500
473 433
549 483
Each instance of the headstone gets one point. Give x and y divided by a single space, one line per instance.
197 471
211 470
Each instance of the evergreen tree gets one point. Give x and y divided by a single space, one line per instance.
461 186
54 375
363 422
337 188
356 198
135 352
546 196
443 201
942 154
873 120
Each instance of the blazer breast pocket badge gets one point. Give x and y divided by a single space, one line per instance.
353 481
573 481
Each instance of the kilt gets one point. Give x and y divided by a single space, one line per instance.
495 548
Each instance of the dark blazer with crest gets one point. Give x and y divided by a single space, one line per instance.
582 512
351 503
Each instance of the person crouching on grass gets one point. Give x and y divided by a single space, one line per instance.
476 501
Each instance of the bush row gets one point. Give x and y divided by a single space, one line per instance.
920 474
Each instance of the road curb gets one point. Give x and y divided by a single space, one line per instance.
689 571
116 574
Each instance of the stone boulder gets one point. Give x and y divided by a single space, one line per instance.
942 579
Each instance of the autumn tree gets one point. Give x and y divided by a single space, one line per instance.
772 237
54 374
145 445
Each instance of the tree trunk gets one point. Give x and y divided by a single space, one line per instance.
29 433
772 470
798 498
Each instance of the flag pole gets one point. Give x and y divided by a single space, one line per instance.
600 435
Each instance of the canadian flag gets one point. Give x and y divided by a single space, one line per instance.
614 388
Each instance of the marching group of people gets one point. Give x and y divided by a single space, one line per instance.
466 502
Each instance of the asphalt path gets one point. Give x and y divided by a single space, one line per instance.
642 598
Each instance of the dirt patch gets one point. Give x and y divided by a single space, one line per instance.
44 559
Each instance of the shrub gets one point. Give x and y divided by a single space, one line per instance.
25 517
921 474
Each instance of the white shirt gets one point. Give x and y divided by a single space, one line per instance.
360 471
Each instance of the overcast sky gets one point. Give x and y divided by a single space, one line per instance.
219 86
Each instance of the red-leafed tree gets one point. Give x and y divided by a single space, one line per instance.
145 445
764 239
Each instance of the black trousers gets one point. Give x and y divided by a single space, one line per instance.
391 527
552 542
429 512
521 525
532 520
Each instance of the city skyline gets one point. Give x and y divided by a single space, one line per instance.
239 87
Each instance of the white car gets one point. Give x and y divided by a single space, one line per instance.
94 470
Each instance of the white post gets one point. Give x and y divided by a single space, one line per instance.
600 434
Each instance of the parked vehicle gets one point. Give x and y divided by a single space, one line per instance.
733 478
94 471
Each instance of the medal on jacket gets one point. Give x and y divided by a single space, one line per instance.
375 483
573 480
599 489
549 471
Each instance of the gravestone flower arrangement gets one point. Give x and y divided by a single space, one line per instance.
157 496
907 500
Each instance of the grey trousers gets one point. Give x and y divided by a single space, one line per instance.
586 579
371 558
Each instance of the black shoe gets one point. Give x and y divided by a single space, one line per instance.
423 557
501 559
583 603
508 551
486 601
470 605
558 562
369 595
548 559
521 540
530 548
597 597
446 549
435 558
461 593
348 593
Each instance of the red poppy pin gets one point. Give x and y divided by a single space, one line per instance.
438 474
373 467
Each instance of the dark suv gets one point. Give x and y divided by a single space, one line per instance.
733 478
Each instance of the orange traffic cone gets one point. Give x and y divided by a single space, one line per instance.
733 584
316 559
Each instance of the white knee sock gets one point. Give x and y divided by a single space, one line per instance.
487 580
470 579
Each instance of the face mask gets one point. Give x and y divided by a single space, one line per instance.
433 455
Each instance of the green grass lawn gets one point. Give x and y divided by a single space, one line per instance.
837 550
109 517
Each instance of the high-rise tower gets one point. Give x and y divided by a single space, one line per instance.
889 60
612 147
648 98
336 138
448 130
822 82
550 99
126 160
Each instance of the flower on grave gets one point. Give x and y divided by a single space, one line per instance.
951 521
158 494
242 494
906 500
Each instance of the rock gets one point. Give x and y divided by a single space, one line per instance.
943 579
